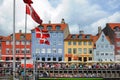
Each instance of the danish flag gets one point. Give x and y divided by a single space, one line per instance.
42 35
30 11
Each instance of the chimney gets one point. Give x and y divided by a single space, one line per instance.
81 32
63 21
20 31
49 22
99 29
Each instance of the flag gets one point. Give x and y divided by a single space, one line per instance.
28 2
44 41
30 11
41 33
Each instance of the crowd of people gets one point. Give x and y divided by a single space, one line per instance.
62 66
78 66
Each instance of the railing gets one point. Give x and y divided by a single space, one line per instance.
104 73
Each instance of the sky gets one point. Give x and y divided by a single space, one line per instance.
84 15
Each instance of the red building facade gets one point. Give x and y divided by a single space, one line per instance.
7 46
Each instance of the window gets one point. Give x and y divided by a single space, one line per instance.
80 43
85 43
79 51
48 50
106 54
102 54
23 50
22 37
80 36
43 50
118 51
106 46
7 50
69 50
90 58
59 42
37 50
118 44
54 59
73 36
27 42
102 38
85 59
74 50
111 54
17 51
60 59
57 27
117 34
90 50
85 50
48 59
54 43
22 42
54 35
49 27
59 50
80 58
89 43
41 27
97 53
74 43
43 58
17 42
7 42
54 50
69 59
88 36
28 50
69 43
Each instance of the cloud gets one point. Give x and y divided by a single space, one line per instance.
114 18
86 14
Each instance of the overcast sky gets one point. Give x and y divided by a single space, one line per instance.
84 15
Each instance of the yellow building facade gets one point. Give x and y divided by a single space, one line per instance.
78 47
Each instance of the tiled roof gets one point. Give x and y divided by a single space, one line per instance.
62 26
113 25
76 37
17 36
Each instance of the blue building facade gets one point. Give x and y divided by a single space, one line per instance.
104 50
54 51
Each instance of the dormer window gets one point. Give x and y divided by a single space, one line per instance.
116 28
57 27
49 27
22 36
80 36
73 36
41 27
87 37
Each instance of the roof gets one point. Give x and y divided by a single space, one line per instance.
62 26
17 36
113 25
77 37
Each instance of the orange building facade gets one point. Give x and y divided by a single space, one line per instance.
6 46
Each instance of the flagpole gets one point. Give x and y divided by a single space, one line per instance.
25 45
14 40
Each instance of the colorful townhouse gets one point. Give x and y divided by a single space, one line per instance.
55 51
78 47
113 31
0 46
6 46
104 50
